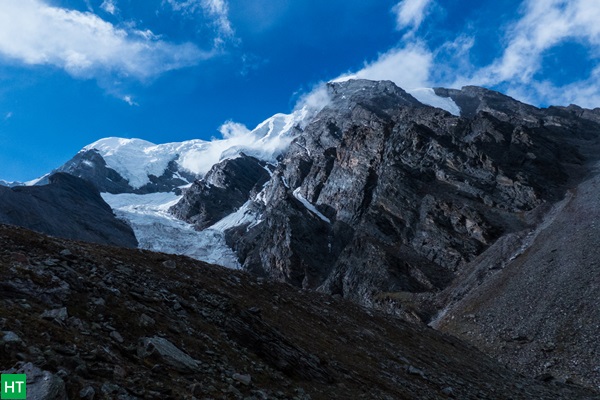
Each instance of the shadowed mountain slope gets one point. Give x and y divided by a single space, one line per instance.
67 207
536 309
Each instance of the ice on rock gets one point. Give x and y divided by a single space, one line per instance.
428 96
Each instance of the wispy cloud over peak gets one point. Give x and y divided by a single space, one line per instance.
543 26
315 100
408 67
109 6
217 11
83 44
231 129
410 13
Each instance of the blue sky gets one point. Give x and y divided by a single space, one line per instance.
74 71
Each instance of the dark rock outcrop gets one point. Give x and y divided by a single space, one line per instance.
161 350
224 189
67 207
473 100
202 331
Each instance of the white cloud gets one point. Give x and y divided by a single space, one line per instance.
129 100
315 100
216 10
543 26
83 44
410 13
269 139
219 10
88 5
109 6
235 137
232 129
408 67
185 6
8 115
585 93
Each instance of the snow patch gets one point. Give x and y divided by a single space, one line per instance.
244 215
266 168
428 96
35 181
136 159
309 206
9 184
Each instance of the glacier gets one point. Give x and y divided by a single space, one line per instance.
154 227
157 230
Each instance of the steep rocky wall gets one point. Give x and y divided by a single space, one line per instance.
405 195
224 189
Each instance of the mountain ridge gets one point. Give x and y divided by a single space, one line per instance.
120 165
512 191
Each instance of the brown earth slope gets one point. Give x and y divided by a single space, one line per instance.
538 311
113 323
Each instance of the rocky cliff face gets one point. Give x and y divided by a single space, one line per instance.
93 322
224 189
382 194
67 207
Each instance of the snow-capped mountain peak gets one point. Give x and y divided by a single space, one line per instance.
137 160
